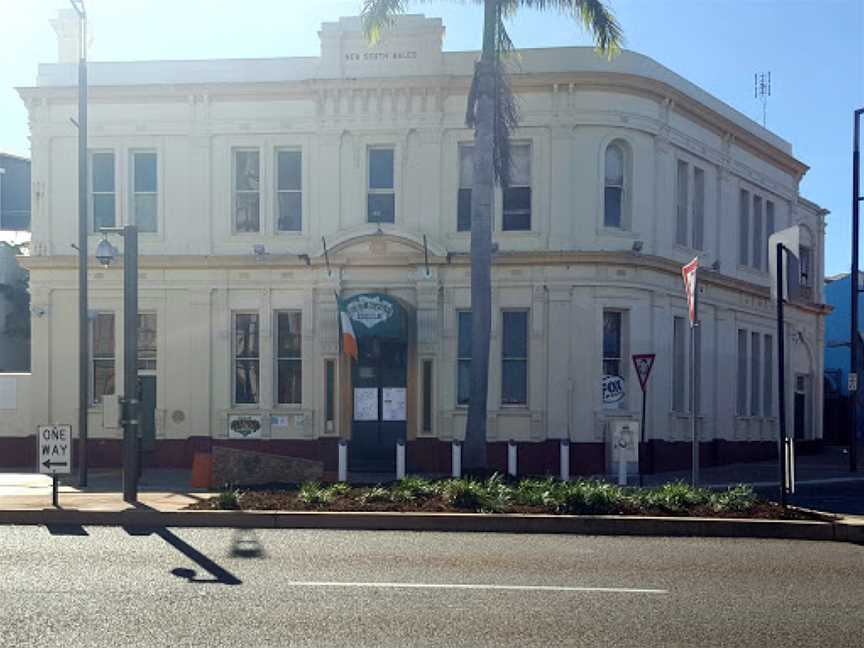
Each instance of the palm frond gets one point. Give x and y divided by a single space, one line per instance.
377 15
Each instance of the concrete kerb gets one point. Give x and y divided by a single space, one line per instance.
449 522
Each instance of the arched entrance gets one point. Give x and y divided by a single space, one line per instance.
379 380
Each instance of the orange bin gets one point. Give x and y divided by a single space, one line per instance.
202 470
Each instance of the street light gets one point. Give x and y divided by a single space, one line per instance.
105 254
854 352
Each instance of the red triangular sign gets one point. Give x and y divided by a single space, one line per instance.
643 362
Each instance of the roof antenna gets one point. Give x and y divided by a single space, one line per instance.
761 91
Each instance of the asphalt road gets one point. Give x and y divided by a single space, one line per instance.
188 587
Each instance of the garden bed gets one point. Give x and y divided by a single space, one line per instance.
497 495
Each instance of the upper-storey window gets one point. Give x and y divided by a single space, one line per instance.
381 197
681 200
145 197
698 234
758 241
744 228
289 191
756 216
690 206
517 197
247 191
613 191
466 181
102 190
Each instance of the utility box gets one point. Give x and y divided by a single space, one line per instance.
111 411
625 441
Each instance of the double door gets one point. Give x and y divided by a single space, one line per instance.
379 379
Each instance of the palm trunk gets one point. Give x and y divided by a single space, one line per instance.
474 459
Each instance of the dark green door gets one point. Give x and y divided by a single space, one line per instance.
379 381
147 417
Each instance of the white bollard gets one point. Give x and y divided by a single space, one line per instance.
622 473
512 468
456 454
564 453
343 461
400 459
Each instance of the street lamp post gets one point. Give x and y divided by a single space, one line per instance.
83 322
130 406
853 280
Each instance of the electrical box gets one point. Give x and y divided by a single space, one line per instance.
625 441
111 411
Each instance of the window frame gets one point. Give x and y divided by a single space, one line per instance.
379 191
134 193
460 358
682 201
514 358
742 371
148 357
278 191
235 358
277 358
528 144
92 193
618 145
102 358
235 191
460 150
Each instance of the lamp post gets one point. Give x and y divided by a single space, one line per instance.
105 254
83 323
853 280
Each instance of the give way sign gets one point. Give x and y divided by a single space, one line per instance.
55 449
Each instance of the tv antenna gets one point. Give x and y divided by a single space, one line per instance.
761 91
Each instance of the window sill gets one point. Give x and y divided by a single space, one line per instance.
617 232
752 271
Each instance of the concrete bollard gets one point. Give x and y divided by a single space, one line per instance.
343 460
512 468
456 454
400 459
564 452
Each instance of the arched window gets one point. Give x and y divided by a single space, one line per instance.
613 200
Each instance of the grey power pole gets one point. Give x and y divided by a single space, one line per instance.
83 320
854 352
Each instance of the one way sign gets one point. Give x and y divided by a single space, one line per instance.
55 449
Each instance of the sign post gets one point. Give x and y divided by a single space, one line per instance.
643 363
689 272
55 454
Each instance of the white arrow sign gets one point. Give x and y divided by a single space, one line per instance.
55 449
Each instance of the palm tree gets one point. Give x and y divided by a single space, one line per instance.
491 112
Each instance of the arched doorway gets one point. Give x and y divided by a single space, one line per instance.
379 380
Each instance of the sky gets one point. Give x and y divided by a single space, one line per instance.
814 50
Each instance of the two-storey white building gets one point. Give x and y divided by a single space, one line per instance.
264 188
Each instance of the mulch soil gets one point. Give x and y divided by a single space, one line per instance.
287 500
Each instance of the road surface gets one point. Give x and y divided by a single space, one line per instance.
98 586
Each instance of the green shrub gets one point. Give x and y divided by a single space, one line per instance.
313 494
376 494
536 492
588 497
738 499
491 496
339 489
228 499
416 487
673 498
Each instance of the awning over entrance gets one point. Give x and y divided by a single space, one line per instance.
377 315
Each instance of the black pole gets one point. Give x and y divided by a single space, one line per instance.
55 502
853 281
130 363
781 376
642 448
83 322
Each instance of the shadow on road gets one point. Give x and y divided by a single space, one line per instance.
220 574
66 530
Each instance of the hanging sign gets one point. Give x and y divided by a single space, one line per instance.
612 388
643 363
689 273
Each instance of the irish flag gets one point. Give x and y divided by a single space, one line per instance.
348 340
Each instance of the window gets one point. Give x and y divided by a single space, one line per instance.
612 343
698 209
246 358
804 262
146 341
744 228
755 369
768 401
247 187
758 242
289 366
381 199
463 358
679 369
466 181
741 406
517 197
103 355
144 191
613 187
769 228
289 191
102 190
427 397
681 194
514 358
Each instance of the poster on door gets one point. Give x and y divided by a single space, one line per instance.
365 403
393 404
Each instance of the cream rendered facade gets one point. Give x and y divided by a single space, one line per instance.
196 271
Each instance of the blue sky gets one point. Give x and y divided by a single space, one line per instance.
813 48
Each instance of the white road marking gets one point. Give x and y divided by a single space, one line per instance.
479 586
